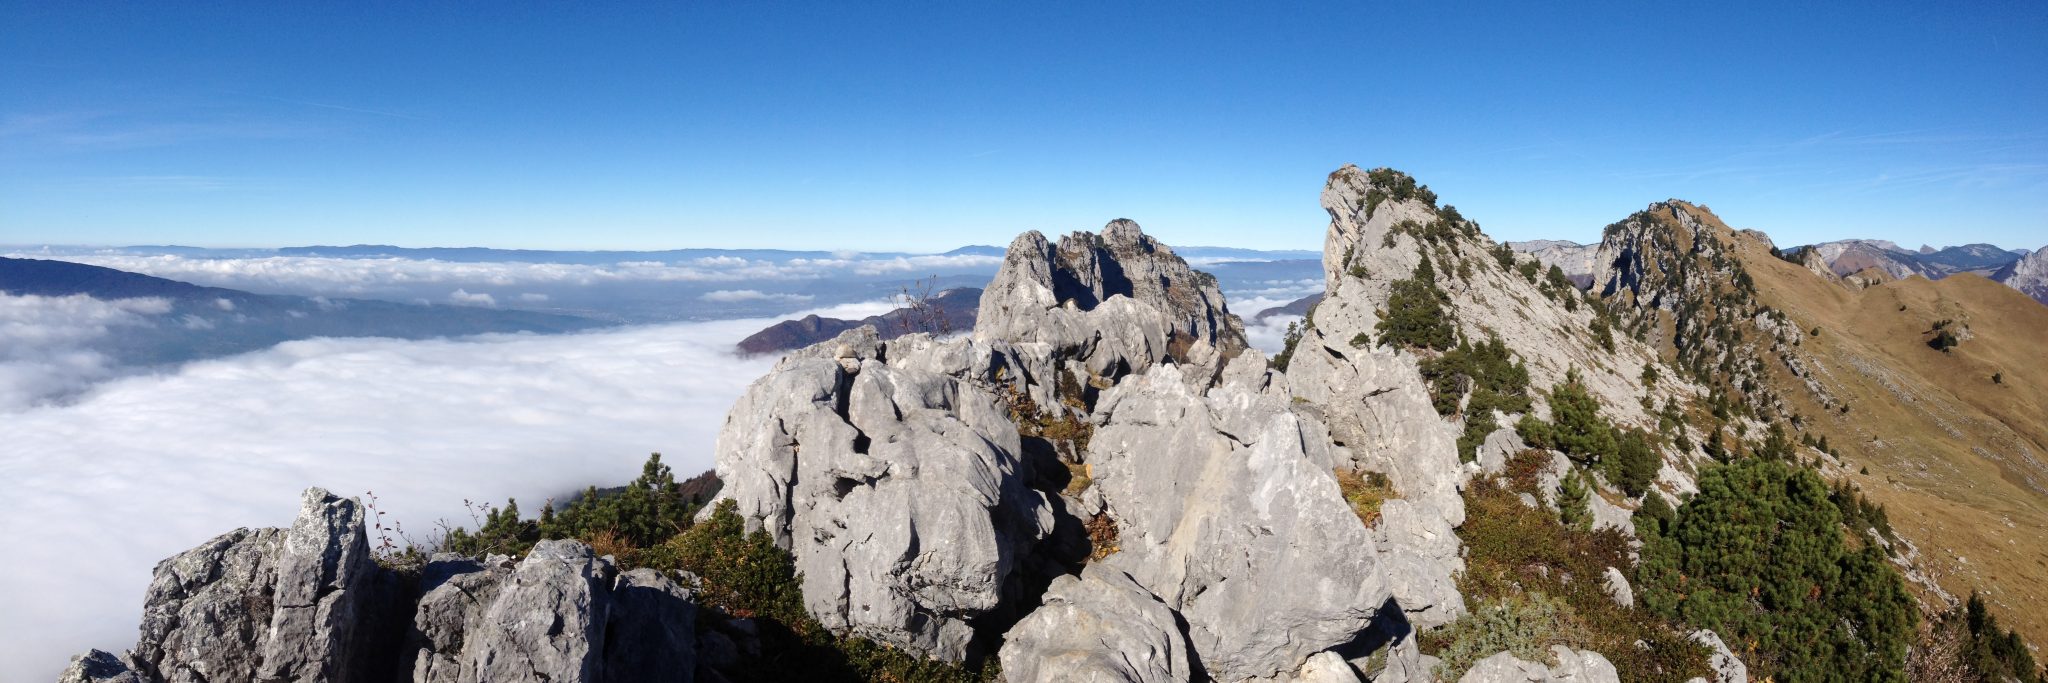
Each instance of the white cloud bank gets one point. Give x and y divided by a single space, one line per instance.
94 493
43 338
738 295
359 275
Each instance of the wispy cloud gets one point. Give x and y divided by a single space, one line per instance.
740 295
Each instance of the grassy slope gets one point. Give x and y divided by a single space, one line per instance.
1958 459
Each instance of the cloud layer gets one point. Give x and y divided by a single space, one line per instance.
94 493
43 342
363 275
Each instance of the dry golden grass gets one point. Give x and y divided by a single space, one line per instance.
1960 461
1365 492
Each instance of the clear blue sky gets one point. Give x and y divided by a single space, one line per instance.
883 126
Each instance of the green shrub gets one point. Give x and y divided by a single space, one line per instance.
1519 557
1996 653
745 575
1758 556
1418 313
1524 625
1574 506
1635 463
1295 330
1576 427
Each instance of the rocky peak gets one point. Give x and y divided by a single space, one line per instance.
2029 275
1118 301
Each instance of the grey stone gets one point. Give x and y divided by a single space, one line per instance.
1118 302
323 590
208 608
547 621
898 489
1099 626
1500 445
1573 666
651 632
1618 588
457 592
1238 529
98 666
1727 667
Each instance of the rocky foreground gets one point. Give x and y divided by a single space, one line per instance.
1101 483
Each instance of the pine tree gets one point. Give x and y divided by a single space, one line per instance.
1416 312
1573 507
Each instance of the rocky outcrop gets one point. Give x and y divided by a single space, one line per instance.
898 485
308 603
1576 260
1573 666
1098 626
1727 667
2029 275
1117 303
1227 510
268 604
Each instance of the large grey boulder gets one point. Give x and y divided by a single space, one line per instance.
898 489
98 666
560 614
547 623
1226 510
263 605
1118 302
1380 419
1098 626
208 609
456 593
1727 667
309 603
323 595
1573 666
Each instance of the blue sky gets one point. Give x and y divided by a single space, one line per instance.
885 126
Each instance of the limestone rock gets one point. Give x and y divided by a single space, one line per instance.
2029 275
1120 302
1099 626
268 604
98 666
324 575
898 487
1223 513
1727 667
1326 667
207 609
547 623
1618 588
1573 666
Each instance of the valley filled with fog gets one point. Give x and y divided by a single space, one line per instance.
121 407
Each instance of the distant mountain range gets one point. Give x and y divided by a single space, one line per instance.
205 322
952 311
1846 257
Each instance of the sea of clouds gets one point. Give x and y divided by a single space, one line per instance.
98 487
345 276
105 469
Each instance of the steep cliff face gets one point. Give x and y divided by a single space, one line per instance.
2029 275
